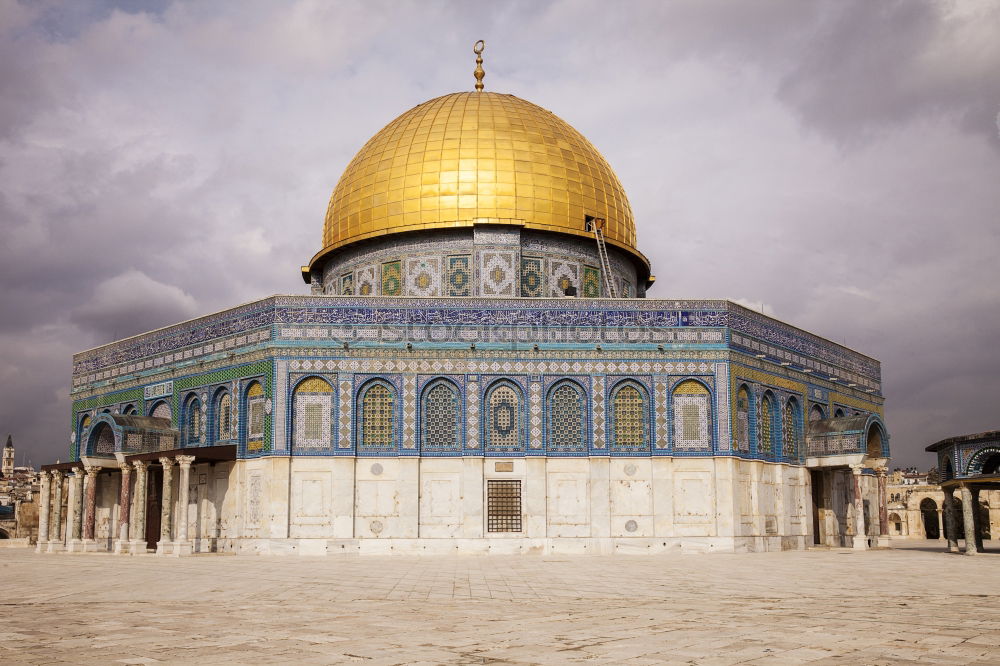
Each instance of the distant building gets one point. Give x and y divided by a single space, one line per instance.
18 487
917 509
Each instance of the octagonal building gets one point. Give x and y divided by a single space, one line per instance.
475 369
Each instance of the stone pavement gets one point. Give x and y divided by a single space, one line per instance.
912 604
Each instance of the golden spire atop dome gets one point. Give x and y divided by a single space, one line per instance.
480 72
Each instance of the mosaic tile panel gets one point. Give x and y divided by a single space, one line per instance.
423 276
562 275
367 281
497 272
472 411
722 406
459 276
255 417
392 279
345 420
409 412
532 277
535 414
346 284
598 410
661 436
313 402
278 419
591 282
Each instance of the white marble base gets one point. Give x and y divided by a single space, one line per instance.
164 547
182 548
55 547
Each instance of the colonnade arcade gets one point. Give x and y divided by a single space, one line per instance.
148 516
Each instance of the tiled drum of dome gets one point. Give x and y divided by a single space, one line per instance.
440 419
423 276
347 284
566 420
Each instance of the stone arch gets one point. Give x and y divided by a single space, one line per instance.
929 518
629 417
4 534
504 425
377 407
101 441
161 410
440 417
312 414
838 413
896 524
129 410
691 406
875 440
566 421
816 413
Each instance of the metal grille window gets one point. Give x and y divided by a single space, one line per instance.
566 419
225 416
789 446
503 506
765 425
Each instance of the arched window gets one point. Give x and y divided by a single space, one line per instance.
503 418
815 413
873 445
128 410
312 405
838 413
630 418
377 427
691 416
790 429
192 421
765 422
224 417
440 418
254 417
743 420
566 419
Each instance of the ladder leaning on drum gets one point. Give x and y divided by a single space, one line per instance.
597 225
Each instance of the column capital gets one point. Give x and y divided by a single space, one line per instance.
76 470
91 470
140 465
56 475
166 462
125 467
856 469
881 472
185 461
43 475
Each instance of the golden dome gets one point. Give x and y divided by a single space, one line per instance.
477 157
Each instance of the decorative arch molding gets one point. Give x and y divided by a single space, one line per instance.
119 433
979 458
378 412
874 426
313 415
691 414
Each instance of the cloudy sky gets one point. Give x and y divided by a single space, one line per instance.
834 163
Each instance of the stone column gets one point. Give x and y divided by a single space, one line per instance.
89 507
73 517
124 503
883 508
969 521
137 546
950 528
56 535
860 537
44 507
977 519
164 545
941 534
181 545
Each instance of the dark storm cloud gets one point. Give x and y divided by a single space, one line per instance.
834 163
